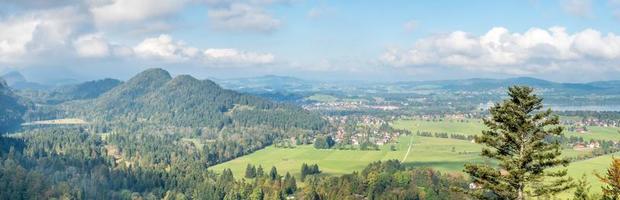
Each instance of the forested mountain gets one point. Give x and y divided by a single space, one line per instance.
12 108
17 81
86 90
151 137
154 97
64 93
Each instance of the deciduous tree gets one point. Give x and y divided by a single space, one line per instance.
611 180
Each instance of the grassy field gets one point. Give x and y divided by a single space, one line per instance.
470 127
322 98
67 121
448 155
589 167
425 152
474 127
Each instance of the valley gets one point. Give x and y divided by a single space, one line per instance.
175 126
309 100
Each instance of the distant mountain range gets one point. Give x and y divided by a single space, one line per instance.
289 84
16 80
286 85
485 84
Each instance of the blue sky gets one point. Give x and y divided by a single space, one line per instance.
561 40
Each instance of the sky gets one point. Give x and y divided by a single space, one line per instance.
558 40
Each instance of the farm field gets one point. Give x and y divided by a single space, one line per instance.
448 155
322 98
474 127
425 152
589 167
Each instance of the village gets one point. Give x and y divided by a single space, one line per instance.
348 106
364 129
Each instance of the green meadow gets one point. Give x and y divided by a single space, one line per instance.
425 152
474 127
447 155
322 98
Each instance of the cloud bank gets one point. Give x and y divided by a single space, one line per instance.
164 48
499 50
55 34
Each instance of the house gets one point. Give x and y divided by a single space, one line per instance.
594 145
579 147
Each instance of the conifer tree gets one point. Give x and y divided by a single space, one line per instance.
257 194
259 171
582 189
515 138
273 174
304 171
250 171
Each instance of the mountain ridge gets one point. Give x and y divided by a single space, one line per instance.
155 97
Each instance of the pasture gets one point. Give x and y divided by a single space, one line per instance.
447 155
475 127
439 153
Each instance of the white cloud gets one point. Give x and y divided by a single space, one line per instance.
593 44
126 11
38 32
242 17
92 45
165 48
499 50
233 56
580 8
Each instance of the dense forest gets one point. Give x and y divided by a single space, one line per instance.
12 108
72 163
151 137
86 90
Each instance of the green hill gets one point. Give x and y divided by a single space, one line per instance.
154 97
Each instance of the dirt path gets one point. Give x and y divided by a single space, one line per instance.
408 150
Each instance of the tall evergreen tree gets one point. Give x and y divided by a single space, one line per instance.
273 174
290 185
516 140
250 171
259 171
304 171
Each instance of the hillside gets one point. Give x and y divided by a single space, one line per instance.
11 109
16 80
154 97
86 90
